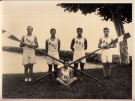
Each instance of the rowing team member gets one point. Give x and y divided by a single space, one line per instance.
66 75
52 45
28 52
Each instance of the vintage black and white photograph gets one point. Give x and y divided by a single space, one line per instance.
67 50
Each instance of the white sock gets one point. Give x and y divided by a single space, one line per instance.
26 79
29 79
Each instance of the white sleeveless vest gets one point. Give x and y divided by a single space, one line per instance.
65 75
53 45
105 41
79 44
28 40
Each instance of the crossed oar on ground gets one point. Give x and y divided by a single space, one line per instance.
122 37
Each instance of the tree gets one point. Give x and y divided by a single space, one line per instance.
119 14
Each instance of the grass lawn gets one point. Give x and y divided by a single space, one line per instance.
120 86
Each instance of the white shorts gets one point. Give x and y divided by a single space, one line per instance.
106 57
79 54
51 60
29 59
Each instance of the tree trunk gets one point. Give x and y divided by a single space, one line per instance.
123 45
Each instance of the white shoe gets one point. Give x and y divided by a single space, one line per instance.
30 79
26 80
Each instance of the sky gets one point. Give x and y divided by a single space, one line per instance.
43 16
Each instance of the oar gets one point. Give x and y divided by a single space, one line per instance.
8 35
119 39
70 67
123 37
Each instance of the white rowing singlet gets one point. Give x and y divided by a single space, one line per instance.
79 44
53 45
105 41
28 40
65 74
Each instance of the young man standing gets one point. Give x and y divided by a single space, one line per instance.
106 54
78 46
28 52
53 48
66 75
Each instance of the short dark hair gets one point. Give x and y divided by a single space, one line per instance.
30 26
66 60
52 29
79 29
106 28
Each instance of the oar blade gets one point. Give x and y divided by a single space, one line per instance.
10 36
126 36
121 38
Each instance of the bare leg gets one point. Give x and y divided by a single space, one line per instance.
62 82
30 71
72 80
75 72
50 70
55 68
26 72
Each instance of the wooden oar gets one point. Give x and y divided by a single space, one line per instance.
70 67
10 36
121 38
